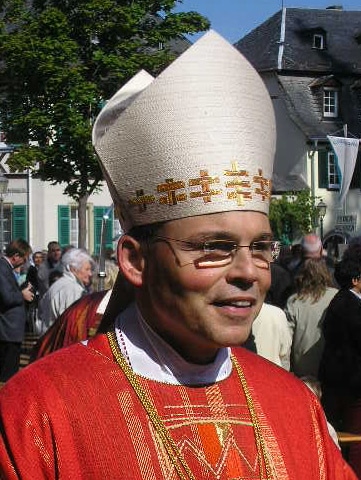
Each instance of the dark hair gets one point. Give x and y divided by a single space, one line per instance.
53 243
18 246
54 275
145 232
348 269
352 251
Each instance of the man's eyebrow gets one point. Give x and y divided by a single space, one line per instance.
225 235
265 236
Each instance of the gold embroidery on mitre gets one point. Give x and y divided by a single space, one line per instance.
239 183
142 200
234 172
205 181
264 188
170 187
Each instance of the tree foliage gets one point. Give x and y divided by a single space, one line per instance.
293 215
60 59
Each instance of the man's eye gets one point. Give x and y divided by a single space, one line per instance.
219 246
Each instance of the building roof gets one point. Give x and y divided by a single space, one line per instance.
286 34
302 70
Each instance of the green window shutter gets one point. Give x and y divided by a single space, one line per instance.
99 212
322 169
19 222
64 225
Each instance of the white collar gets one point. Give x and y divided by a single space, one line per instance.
151 357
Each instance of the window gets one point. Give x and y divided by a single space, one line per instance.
333 174
68 225
15 222
328 175
318 41
74 225
330 102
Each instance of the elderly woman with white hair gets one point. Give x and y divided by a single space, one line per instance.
78 268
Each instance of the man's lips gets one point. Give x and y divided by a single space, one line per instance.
235 303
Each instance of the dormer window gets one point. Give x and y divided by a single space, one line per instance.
330 102
318 41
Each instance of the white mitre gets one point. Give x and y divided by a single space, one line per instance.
198 139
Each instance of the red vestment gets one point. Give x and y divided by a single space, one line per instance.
73 415
78 322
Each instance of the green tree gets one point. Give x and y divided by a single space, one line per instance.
293 214
60 60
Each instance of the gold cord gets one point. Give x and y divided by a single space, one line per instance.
260 442
174 454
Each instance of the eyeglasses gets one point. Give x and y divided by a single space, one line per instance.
217 253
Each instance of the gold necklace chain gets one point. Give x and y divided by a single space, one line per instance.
173 452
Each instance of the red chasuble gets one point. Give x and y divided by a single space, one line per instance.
81 419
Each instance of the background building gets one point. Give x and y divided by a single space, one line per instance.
310 61
40 212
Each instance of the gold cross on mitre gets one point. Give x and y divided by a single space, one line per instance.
264 188
170 187
142 200
205 181
238 184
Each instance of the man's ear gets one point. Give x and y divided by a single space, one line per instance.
131 260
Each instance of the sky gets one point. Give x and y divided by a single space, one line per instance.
235 18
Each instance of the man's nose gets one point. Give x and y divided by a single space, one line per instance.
243 267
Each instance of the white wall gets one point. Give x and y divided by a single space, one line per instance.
42 200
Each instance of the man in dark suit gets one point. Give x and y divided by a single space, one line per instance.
340 368
12 307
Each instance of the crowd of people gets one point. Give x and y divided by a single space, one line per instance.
36 288
321 298
164 389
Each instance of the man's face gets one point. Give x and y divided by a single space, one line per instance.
54 253
38 259
198 310
18 260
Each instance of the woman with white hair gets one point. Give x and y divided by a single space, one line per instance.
78 269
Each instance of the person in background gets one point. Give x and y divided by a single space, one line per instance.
32 273
312 248
32 278
54 276
79 322
340 366
272 335
281 286
305 311
20 275
12 307
52 262
72 284
166 392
